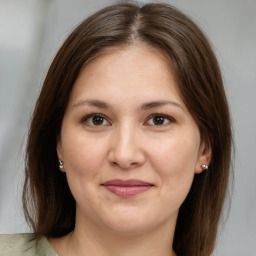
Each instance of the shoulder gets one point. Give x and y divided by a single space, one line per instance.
25 244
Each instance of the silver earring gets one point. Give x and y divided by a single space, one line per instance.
61 164
204 167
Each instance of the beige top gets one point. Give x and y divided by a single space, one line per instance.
25 245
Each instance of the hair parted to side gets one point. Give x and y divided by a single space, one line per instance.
48 203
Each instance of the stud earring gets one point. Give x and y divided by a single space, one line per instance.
61 164
204 167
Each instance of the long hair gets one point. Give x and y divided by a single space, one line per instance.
48 203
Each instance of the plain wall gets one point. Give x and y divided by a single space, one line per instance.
32 30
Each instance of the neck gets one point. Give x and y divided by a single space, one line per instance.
86 240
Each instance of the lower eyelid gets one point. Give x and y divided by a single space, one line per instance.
170 119
86 118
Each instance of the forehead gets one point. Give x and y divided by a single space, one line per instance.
139 69
125 53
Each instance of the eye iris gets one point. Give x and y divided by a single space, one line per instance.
97 120
158 120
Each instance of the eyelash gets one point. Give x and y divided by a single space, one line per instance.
165 117
86 118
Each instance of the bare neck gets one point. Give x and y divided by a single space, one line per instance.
89 242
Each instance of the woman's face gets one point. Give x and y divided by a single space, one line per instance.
129 144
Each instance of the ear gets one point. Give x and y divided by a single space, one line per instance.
60 152
204 156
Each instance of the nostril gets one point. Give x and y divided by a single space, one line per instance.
114 163
124 165
126 156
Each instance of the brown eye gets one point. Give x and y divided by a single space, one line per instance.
95 120
159 120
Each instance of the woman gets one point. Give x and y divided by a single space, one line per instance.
129 146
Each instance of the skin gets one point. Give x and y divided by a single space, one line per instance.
129 141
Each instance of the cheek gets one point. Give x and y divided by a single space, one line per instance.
83 156
175 162
175 153
84 159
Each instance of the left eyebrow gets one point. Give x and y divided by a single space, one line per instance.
93 102
154 104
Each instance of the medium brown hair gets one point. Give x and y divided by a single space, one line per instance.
48 203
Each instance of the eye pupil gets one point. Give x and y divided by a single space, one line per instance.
97 120
158 120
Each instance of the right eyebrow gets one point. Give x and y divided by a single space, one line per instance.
95 103
160 103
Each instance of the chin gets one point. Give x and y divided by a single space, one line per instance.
129 229
129 222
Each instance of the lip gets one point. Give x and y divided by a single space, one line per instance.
127 188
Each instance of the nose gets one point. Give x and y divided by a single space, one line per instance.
126 148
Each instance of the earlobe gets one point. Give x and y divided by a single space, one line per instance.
59 150
204 157
60 156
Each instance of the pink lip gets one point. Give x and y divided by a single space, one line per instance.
127 188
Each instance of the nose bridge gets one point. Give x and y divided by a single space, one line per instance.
126 150
126 134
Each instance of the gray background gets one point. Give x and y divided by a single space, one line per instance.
30 33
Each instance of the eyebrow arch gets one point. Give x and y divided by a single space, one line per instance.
155 104
145 106
95 103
